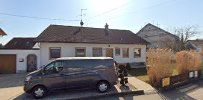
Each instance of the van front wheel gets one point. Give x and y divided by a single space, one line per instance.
103 86
39 92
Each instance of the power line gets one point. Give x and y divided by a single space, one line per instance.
134 12
111 10
34 17
149 7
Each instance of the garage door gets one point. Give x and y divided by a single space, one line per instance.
7 64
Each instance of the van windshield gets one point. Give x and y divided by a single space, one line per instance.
53 64
49 66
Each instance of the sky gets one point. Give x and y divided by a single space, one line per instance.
28 18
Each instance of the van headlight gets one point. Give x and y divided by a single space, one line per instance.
27 78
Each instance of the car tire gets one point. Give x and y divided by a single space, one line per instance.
39 92
103 86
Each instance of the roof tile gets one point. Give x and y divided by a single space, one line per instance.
73 34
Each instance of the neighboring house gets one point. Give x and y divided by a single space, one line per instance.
71 41
20 43
196 45
18 55
157 37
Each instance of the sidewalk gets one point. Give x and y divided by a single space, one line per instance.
140 85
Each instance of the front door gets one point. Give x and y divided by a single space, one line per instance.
109 52
31 62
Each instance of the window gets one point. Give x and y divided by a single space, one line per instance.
125 52
51 66
54 52
137 52
80 52
97 52
117 51
86 64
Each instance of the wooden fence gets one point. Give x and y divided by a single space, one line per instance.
173 81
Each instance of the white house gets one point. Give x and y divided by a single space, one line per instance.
71 41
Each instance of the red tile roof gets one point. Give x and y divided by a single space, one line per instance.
20 43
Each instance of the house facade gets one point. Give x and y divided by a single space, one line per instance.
67 41
19 55
71 41
121 53
157 37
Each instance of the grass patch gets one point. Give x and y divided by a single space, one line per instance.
144 78
140 73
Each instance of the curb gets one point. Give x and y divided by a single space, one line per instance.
150 92
137 92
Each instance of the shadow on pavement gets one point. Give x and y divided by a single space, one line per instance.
11 80
70 94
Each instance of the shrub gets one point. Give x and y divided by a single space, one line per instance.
160 65
187 61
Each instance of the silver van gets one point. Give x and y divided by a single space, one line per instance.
72 73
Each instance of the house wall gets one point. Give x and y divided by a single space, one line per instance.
22 54
68 50
156 37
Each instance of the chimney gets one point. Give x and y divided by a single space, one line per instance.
106 26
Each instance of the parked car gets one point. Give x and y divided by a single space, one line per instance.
72 73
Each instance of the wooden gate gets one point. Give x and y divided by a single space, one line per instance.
31 62
7 63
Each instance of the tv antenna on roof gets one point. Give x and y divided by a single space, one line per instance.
81 15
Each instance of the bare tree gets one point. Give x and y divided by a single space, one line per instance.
184 34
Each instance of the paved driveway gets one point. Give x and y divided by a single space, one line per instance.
11 85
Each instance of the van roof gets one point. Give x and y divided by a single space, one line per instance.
77 58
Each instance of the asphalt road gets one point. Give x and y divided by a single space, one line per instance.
192 91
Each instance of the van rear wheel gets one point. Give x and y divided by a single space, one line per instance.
103 86
39 92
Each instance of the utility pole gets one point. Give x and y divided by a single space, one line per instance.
81 15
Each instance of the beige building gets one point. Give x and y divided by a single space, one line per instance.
157 37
